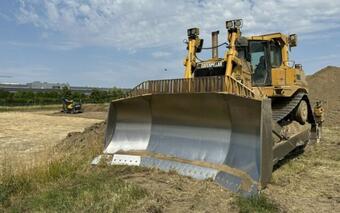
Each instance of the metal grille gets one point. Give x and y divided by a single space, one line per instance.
192 85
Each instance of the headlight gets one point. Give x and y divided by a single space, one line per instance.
229 24
292 39
233 24
238 23
193 32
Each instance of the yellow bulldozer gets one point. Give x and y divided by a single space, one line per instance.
229 119
70 106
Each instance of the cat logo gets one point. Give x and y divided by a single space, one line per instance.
205 65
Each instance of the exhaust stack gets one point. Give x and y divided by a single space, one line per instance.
214 36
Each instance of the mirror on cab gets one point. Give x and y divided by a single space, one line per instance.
292 40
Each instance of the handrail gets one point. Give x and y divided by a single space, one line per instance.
225 84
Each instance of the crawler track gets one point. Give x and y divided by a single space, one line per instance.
281 108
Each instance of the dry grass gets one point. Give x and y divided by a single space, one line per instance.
260 204
67 182
29 108
27 137
310 182
54 107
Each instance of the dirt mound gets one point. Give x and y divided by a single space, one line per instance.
95 107
324 85
92 111
93 135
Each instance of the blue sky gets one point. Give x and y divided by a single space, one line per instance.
120 43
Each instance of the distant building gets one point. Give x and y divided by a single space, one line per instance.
46 85
38 86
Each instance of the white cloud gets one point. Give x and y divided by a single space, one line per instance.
63 45
134 24
160 54
85 9
155 29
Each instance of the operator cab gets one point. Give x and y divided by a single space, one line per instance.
262 53
263 56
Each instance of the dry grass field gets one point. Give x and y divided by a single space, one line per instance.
26 136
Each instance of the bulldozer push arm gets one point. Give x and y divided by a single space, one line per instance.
225 120
194 46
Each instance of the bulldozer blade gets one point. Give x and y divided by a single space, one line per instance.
220 136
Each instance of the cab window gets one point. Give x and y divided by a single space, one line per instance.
275 55
259 63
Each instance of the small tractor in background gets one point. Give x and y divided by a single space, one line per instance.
70 106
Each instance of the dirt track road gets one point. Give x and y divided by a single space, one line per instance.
27 134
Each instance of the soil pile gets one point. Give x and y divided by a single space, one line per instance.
324 85
95 107
92 111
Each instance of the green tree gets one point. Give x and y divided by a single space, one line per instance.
97 96
66 93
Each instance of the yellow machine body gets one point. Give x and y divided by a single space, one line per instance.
70 106
286 79
229 119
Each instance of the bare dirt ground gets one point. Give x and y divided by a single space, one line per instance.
93 111
24 135
87 114
310 182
